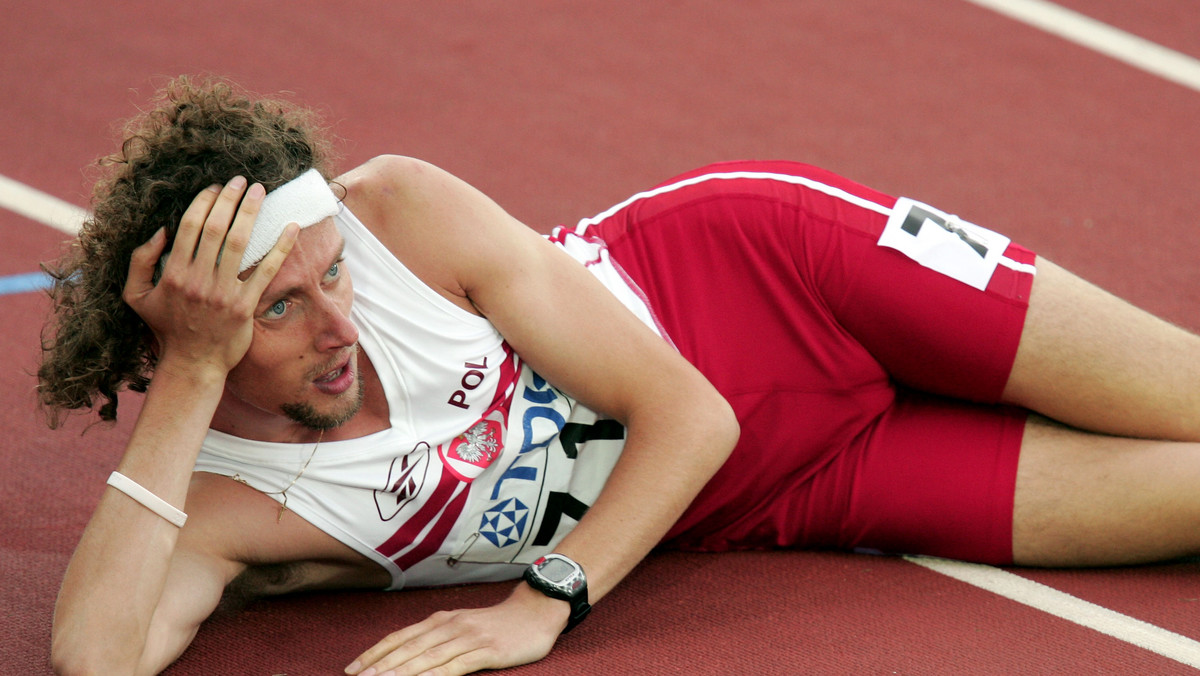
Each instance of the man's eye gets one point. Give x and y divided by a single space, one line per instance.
276 310
334 270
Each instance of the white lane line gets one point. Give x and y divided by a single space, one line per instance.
1101 37
38 206
1060 604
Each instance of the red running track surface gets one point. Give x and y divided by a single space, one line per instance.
559 110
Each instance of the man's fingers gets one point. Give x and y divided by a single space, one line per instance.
192 223
415 638
142 265
376 652
216 226
453 656
459 642
453 642
269 266
238 235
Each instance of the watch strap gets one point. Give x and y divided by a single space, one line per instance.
580 608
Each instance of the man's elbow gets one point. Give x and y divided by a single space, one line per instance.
71 661
72 656
723 428
730 427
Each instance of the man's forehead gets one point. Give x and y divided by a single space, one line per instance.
316 247
319 235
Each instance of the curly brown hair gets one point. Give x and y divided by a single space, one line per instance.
198 133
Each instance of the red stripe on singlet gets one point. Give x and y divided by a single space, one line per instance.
408 533
444 495
433 541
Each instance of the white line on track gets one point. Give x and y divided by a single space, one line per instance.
1101 37
1175 67
38 206
1060 604
1055 19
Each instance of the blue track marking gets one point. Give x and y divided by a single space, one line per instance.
32 281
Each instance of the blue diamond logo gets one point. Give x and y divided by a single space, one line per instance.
504 524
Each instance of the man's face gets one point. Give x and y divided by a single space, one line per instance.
302 366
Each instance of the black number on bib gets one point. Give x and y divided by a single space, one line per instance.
575 433
944 243
918 217
557 505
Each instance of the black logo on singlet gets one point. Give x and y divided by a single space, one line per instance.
406 477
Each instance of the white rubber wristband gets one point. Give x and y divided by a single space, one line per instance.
147 499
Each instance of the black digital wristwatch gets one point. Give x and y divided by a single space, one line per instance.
561 578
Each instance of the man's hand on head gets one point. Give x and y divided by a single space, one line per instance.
201 312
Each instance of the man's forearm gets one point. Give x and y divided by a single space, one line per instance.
116 576
636 507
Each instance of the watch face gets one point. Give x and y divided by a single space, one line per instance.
559 573
556 570
561 578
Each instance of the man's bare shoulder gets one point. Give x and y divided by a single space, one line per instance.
385 183
388 186
426 217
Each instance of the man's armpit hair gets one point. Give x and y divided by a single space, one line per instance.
269 579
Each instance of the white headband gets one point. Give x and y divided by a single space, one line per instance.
305 200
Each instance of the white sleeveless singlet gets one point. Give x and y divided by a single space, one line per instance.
485 466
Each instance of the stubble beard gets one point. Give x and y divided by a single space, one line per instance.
309 417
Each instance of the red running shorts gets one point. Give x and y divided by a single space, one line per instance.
863 341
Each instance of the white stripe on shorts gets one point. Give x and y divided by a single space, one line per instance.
833 191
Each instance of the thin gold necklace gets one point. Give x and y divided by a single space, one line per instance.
283 493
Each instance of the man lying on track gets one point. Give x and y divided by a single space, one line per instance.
412 388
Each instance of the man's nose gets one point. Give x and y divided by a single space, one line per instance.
336 330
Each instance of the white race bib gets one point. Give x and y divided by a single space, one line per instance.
944 243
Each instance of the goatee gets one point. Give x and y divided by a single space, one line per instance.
308 416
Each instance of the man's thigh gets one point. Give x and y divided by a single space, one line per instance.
1093 361
1088 499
